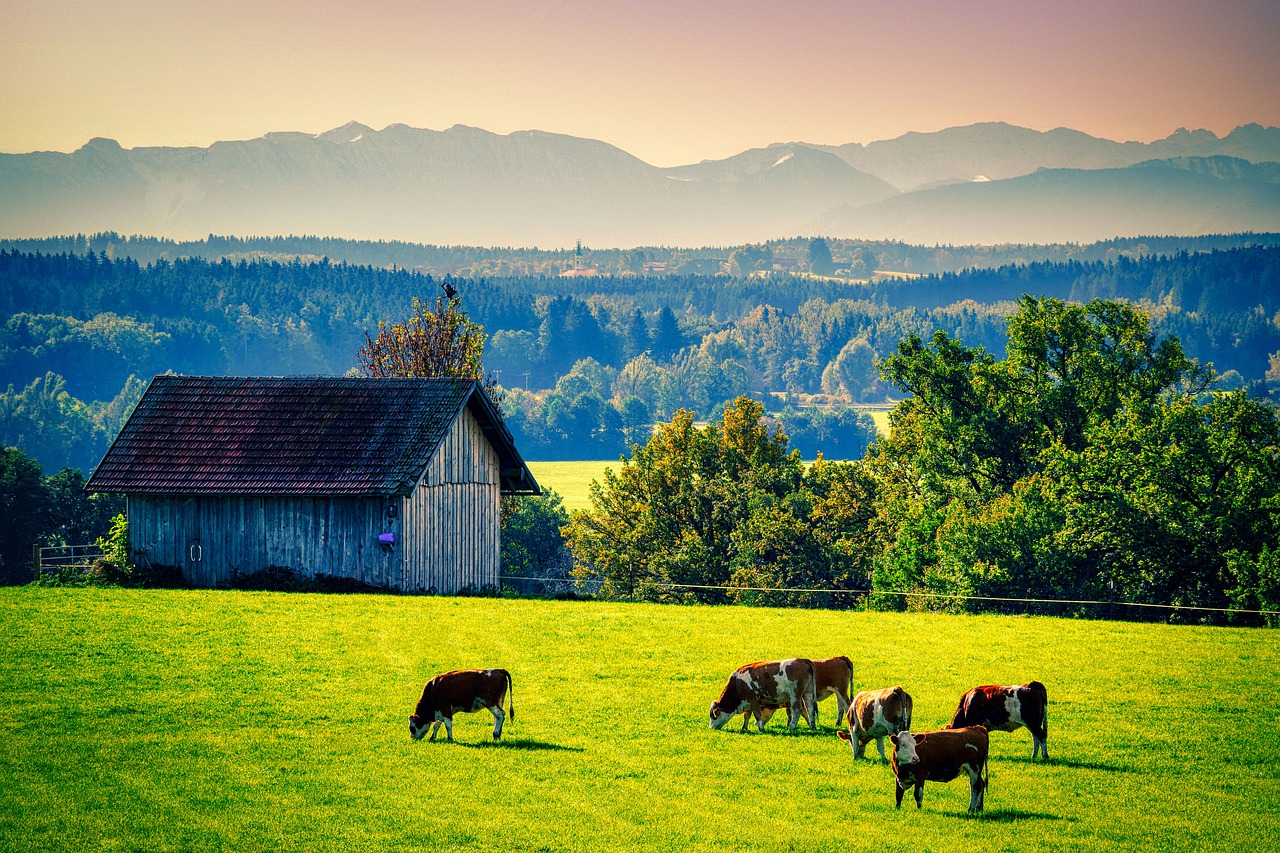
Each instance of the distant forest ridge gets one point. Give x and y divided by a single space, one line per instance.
600 356
852 259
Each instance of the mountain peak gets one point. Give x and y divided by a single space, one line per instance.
352 131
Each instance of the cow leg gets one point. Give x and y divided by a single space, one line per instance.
975 789
919 795
880 746
899 791
1039 740
448 728
435 727
498 717
746 718
842 706
793 717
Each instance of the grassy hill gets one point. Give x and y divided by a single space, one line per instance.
174 720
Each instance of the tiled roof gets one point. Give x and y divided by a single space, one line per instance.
293 436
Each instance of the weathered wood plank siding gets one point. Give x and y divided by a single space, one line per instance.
454 513
446 530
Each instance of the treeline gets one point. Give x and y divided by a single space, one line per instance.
647 345
1094 463
859 258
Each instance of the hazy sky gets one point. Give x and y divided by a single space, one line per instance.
672 82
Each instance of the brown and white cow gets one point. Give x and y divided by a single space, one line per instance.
875 715
940 757
1003 709
461 690
754 689
832 677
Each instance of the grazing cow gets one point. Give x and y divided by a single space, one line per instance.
757 687
1003 709
461 690
832 677
940 757
875 715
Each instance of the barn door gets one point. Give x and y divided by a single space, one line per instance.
190 550
230 537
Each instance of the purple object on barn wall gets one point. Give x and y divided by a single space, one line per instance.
387 538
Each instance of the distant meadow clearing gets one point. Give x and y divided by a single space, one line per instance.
207 720
572 480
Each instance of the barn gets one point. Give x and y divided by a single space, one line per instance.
392 482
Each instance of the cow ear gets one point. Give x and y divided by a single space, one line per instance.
918 738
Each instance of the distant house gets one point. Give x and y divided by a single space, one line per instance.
393 482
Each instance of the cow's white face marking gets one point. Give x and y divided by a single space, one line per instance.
906 745
719 716
417 733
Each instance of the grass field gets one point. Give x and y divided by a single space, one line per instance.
571 479
173 720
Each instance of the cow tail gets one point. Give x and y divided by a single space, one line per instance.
511 698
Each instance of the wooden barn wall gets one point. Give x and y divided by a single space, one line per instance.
211 537
446 531
452 518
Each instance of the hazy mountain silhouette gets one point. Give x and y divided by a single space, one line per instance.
467 185
1182 196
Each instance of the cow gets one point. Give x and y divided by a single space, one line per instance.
1003 709
756 688
462 690
940 757
832 677
875 715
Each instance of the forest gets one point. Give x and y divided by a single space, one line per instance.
587 364
1093 463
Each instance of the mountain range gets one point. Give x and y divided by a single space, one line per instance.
982 183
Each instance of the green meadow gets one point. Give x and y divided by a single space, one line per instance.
572 480
203 720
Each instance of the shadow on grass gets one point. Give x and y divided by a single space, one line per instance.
524 744
1003 815
1070 762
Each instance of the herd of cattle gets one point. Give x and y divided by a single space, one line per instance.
757 690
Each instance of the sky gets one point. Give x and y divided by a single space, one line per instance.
671 82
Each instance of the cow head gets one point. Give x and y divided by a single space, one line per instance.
904 746
424 714
720 715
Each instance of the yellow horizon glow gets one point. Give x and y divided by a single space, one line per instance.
670 83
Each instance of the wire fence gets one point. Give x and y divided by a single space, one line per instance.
1113 609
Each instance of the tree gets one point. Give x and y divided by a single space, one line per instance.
667 339
77 517
1089 463
819 257
532 545
437 341
853 374
24 506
